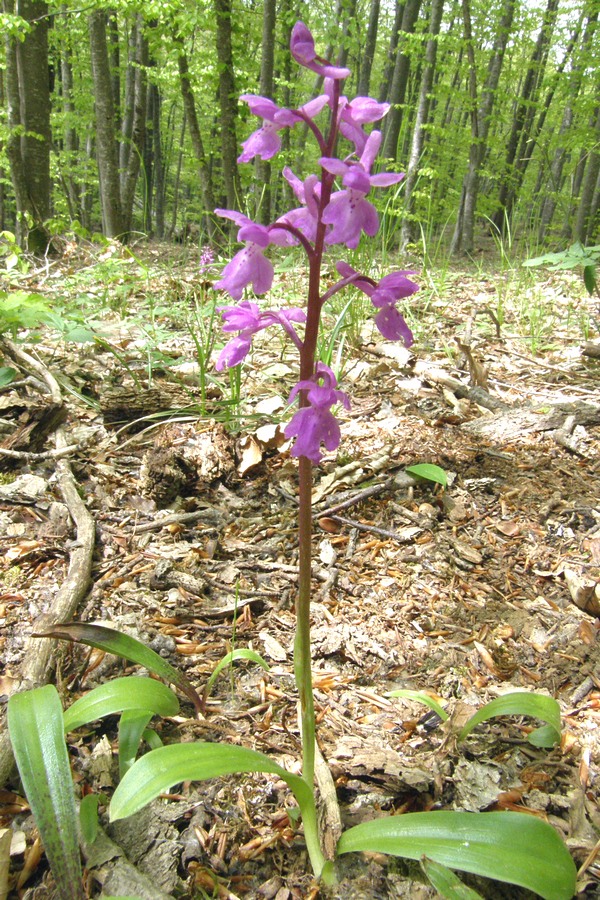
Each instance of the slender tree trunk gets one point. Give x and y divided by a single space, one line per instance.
191 117
137 138
421 120
524 117
114 56
267 63
227 103
129 99
388 71
106 146
13 142
585 213
70 137
562 152
364 82
397 93
28 143
463 237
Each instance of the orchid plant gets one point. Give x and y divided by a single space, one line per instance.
326 217
509 846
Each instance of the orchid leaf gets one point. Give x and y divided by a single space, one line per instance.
35 726
446 883
88 816
421 697
126 647
428 472
508 846
240 653
522 703
132 726
129 693
158 771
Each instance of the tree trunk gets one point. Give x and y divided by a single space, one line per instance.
227 103
388 71
267 63
585 214
70 137
524 117
106 146
562 152
368 55
399 83
191 117
463 237
137 137
421 120
28 144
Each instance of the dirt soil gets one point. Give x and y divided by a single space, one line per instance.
487 586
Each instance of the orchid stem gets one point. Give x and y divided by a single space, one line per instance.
302 657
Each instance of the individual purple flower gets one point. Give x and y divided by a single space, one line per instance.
265 142
247 319
352 116
302 47
384 296
348 211
305 217
249 265
315 424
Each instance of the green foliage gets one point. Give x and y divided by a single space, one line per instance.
36 729
229 658
511 847
573 257
11 254
446 883
20 309
517 703
428 472
522 703
159 770
126 647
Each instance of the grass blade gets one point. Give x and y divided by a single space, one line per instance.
129 693
421 697
512 847
126 647
241 653
35 725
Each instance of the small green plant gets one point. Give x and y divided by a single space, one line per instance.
12 255
574 257
37 728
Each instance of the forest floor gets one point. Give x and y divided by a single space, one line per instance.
487 586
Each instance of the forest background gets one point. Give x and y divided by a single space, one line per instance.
125 118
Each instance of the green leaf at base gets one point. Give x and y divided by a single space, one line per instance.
513 847
35 726
157 772
522 703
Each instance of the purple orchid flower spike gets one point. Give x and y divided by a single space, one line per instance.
265 142
302 46
247 319
315 424
249 265
348 211
384 296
